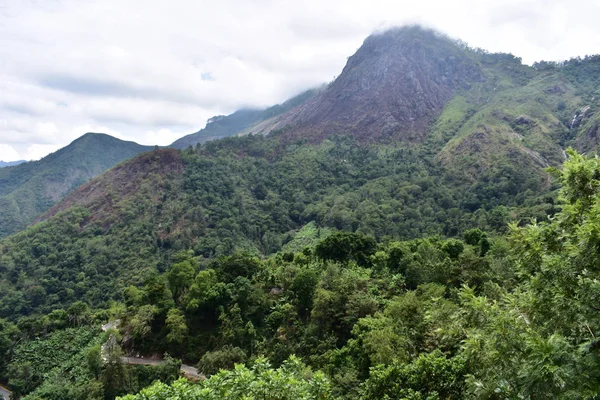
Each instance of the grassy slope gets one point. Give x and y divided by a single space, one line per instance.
519 117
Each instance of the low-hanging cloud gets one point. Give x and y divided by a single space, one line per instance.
152 71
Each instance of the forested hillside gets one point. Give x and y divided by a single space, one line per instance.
437 241
481 316
29 189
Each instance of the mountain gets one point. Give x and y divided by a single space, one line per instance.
362 229
11 163
238 123
392 89
470 136
483 116
419 135
28 189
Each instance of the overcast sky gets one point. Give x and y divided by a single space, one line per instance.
155 70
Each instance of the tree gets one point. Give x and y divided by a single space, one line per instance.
347 246
303 287
176 326
141 323
239 264
453 248
224 358
113 372
78 313
94 360
180 277
430 376
292 381
206 292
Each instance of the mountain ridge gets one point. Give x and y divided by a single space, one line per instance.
4 164
359 250
240 121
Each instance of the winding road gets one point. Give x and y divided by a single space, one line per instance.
5 393
186 370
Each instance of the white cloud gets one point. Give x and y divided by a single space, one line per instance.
151 71
8 153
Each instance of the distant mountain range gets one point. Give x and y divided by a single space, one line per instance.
11 163
486 119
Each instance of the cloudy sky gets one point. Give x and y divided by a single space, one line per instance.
155 70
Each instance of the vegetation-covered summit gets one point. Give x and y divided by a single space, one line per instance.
29 189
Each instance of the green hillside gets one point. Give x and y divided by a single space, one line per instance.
29 189
522 116
469 317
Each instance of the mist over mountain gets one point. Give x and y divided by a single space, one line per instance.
241 121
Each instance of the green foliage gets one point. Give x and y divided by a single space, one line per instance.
430 376
291 381
29 189
346 246
45 361
225 358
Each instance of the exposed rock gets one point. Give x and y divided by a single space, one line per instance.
578 117
555 89
524 120
394 87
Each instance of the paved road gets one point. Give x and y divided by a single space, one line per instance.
5 393
187 370
191 371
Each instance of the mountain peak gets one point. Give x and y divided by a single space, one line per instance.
28 189
392 88
402 36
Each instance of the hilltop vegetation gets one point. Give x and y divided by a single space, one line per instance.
29 189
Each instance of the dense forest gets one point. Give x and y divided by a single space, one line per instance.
346 316
242 195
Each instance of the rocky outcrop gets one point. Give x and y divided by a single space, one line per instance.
393 88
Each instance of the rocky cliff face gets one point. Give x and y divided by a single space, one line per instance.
393 88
